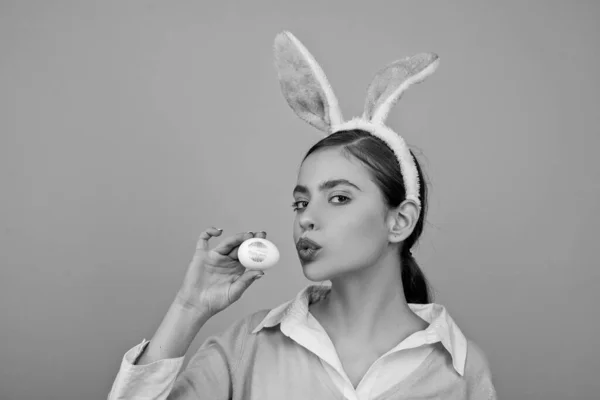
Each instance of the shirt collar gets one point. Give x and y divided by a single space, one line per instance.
441 324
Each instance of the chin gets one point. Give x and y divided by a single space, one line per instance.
312 272
316 272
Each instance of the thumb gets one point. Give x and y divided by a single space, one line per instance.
243 282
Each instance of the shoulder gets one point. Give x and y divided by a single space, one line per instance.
478 374
236 333
477 361
242 327
252 320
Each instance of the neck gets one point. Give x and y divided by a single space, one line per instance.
365 303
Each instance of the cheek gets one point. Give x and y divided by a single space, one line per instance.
355 252
361 237
363 227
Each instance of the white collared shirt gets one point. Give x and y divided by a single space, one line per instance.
300 325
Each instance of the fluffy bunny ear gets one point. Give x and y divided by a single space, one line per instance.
390 82
304 84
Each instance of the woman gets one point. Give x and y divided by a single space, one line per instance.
373 333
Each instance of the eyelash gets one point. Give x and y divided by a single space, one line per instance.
295 204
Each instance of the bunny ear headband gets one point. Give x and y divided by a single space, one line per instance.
310 95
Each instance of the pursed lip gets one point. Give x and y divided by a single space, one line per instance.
305 243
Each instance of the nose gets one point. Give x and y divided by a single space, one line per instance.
307 225
307 221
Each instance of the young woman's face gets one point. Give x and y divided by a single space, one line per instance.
341 209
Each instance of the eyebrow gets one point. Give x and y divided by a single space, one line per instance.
330 184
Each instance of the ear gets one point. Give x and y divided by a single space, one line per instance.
402 221
390 82
304 84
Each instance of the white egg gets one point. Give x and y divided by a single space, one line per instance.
258 254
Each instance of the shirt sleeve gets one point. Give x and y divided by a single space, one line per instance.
149 382
208 375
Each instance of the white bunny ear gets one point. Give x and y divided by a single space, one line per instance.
390 82
304 84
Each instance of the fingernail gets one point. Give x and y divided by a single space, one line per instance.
258 276
219 229
262 232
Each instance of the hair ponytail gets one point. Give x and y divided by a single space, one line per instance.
416 288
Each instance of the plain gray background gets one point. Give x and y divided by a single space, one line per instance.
128 127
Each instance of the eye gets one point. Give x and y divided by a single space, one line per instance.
347 199
295 205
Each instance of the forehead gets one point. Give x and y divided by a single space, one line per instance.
332 164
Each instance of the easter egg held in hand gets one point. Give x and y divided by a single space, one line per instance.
258 253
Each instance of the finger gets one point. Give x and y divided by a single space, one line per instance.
261 234
205 236
242 283
231 243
